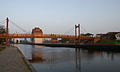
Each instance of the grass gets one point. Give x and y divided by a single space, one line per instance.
2 47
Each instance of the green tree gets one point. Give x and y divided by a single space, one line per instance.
2 31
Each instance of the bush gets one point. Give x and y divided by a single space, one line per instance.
2 47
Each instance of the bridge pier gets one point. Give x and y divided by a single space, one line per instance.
37 32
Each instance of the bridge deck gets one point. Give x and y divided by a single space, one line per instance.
43 36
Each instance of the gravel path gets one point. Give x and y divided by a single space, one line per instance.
12 61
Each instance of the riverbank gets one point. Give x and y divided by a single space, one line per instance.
11 60
101 47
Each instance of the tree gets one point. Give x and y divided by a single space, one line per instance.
110 36
2 31
87 34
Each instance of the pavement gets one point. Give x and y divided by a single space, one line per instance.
11 60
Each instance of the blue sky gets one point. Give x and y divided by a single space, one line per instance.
58 16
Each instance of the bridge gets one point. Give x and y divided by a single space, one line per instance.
43 36
76 36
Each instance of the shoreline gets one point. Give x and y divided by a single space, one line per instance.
13 61
26 61
100 47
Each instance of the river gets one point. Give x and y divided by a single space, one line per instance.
63 59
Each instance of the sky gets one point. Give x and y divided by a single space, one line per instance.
60 16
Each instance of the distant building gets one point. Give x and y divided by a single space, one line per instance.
99 35
109 35
37 32
113 35
117 36
54 40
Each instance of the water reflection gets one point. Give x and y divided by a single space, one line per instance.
37 56
37 46
61 59
54 57
78 59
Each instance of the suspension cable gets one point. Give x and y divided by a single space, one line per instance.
69 31
83 29
18 26
72 29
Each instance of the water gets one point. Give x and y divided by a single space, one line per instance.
62 59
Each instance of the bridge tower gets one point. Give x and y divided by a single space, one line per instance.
77 33
7 32
37 32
